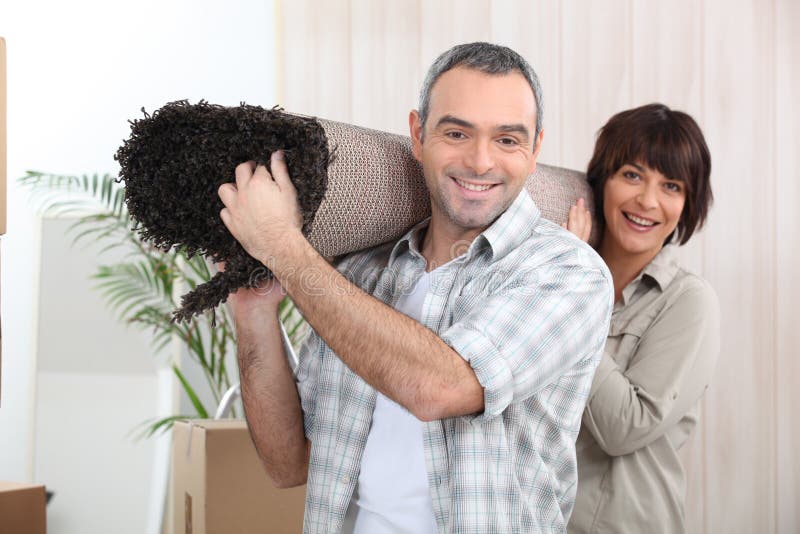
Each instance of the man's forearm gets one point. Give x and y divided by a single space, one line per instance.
395 354
270 399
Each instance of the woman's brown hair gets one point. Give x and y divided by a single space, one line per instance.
665 140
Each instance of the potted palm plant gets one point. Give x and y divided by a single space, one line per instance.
144 287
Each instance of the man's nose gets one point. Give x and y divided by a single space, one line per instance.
480 159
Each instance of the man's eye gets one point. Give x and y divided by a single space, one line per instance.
455 135
508 141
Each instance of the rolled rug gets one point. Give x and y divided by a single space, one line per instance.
356 187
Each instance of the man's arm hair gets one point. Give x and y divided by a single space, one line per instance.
271 401
395 354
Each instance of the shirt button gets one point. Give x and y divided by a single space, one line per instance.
345 480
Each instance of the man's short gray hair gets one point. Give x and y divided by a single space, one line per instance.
484 57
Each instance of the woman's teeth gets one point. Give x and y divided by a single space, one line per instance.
639 221
472 187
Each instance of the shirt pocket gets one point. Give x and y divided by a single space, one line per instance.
624 335
463 301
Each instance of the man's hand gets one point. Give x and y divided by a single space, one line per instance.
579 220
261 210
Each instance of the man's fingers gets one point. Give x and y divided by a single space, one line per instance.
262 172
244 171
280 172
227 194
225 215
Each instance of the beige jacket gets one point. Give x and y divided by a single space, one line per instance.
659 358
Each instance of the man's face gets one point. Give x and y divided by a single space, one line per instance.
479 146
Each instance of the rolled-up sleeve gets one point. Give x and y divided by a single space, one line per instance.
671 368
525 336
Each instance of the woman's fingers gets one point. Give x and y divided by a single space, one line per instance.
579 220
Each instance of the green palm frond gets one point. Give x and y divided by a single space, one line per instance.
87 192
198 405
156 425
140 288
135 284
98 201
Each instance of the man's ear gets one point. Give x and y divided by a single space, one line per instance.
536 147
415 127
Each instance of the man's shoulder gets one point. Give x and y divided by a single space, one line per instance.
549 245
361 264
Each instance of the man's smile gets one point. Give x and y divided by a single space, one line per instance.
472 186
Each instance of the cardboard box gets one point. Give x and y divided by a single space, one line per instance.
22 508
220 486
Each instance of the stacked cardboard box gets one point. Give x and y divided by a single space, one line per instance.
22 508
220 486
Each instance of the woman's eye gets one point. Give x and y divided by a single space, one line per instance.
630 175
671 186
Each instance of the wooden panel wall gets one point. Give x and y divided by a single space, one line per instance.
786 283
735 66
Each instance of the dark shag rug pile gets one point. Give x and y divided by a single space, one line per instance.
176 159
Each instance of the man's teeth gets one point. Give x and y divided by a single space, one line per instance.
639 221
472 187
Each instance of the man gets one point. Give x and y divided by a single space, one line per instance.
443 385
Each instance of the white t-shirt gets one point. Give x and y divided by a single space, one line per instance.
392 495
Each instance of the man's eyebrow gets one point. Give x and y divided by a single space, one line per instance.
515 128
450 119
503 128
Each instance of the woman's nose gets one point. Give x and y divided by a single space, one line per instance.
647 196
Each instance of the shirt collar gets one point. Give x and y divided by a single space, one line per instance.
504 234
661 270
511 228
410 241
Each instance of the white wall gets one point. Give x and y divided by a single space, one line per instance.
77 71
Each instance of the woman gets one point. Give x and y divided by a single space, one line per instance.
650 175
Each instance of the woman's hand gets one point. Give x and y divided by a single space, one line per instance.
579 221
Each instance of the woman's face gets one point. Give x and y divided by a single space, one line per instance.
641 208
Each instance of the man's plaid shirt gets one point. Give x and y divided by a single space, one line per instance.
528 305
